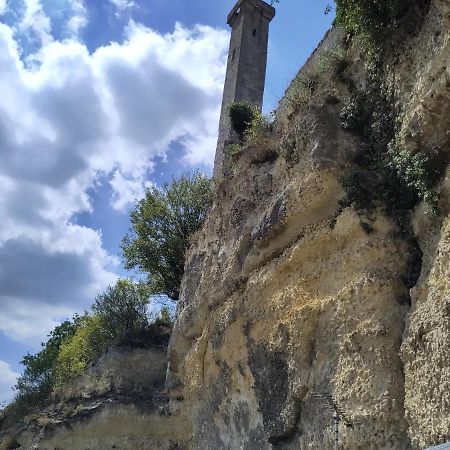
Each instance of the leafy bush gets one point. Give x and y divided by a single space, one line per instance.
259 128
353 115
122 310
161 226
416 173
241 117
78 351
39 369
384 174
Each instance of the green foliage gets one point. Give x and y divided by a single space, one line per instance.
373 19
36 383
354 116
39 368
77 352
259 128
416 172
122 310
241 117
382 173
161 226
232 149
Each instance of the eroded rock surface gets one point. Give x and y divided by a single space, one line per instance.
289 298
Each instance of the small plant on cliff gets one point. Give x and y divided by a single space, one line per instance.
383 173
241 116
327 64
260 128
302 89
416 172
161 226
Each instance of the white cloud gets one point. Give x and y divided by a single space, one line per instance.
74 118
36 22
7 379
127 190
3 7
78 19
122 5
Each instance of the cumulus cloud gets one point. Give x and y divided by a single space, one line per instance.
78 18
7 379
122 5
74 117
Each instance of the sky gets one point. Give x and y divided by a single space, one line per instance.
99 100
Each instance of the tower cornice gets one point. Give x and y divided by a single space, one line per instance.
267 10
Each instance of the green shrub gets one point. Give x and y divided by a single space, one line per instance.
259 128
122 310
416 172
241 116
383 174
161 227
78 351
353 115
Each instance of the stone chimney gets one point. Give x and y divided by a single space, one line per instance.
246 67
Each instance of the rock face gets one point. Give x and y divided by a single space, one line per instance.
426 348
291 303
293 307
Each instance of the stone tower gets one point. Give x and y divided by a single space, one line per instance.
246 67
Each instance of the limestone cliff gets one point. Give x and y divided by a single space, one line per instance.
295 302
290 297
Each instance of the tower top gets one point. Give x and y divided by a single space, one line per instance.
267 10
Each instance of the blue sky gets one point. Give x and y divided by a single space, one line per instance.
101 98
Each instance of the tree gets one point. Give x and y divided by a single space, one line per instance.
122 309
36 382
35 385
161 226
